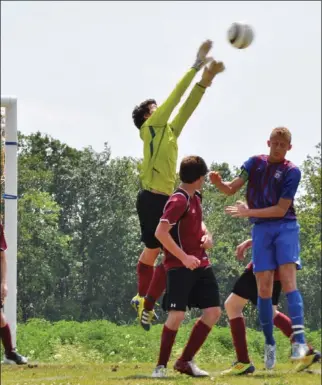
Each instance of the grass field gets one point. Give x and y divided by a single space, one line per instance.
102 353
139 374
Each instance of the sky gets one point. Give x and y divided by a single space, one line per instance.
79 68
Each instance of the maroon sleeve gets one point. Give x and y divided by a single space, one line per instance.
3 243
174 209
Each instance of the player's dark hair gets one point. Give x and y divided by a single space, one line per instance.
192 168
140 110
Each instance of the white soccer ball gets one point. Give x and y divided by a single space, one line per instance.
240 35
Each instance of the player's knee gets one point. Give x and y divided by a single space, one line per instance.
211 316
289 286
288 283
287 274
149 256
216 314
265 287
264 291
180 317
175 318
232 310
228 305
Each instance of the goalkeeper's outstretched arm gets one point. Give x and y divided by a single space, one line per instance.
162 114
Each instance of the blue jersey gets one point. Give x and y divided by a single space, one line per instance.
268 182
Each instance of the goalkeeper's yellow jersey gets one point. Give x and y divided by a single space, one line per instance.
158 170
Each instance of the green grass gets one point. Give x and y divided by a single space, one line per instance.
139 374
100 352
103 341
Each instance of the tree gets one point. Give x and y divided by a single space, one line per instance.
79 233
42 256
309 213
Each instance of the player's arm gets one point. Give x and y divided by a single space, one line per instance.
163 235
174 210
195 96
230 188
279 210
162 114
242 247
206 240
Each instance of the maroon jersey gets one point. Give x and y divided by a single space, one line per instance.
3 244
276 275
184 213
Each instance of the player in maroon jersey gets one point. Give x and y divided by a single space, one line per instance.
11 356
190 278
244 290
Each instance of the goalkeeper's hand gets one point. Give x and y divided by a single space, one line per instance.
202 59
210 72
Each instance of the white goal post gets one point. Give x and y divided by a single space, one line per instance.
10 208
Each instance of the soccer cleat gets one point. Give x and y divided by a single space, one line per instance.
14 358
299 351
189 368
160 372
311 357
270 356
239 368
135 302
146 317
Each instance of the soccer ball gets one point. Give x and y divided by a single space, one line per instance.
240 35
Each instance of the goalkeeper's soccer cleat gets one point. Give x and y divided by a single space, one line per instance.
311 358
146 317
239 368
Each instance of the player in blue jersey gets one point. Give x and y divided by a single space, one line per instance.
272 182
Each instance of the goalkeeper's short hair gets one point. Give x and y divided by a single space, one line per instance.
140 110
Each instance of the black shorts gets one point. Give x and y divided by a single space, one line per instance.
150 207
191 288
246 287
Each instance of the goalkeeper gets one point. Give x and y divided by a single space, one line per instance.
158 171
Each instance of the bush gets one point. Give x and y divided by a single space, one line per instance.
103 341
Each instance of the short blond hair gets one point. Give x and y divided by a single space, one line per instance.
282 131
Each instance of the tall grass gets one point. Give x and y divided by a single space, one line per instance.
103 341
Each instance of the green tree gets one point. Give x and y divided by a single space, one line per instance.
309 213
79 233
42 256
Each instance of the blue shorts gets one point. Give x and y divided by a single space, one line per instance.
275 243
